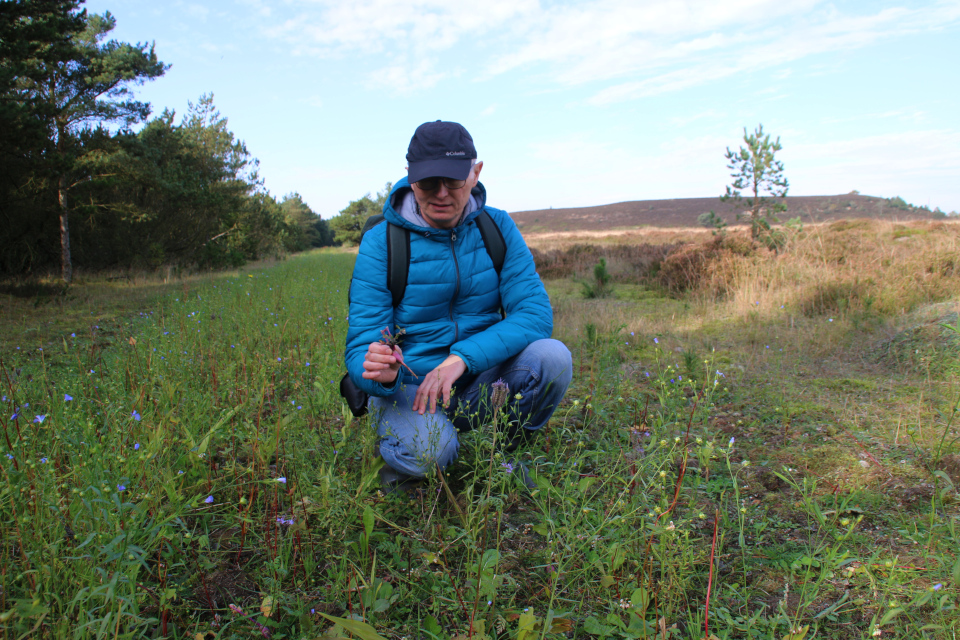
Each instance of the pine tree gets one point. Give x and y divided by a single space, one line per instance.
756 170
77 82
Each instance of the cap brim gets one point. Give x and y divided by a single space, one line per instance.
453 168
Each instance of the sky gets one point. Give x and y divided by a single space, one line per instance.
571 103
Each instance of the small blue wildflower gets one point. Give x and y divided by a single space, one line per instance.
135 415
631 333
279 359
208 499
43 460
937 587
73 335
655 341
282 480
15 415
9 456
40 419
507 466
121 487
179 473
136 446
732 439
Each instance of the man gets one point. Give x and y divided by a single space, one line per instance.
465 326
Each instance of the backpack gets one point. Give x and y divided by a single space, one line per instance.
398 250
398 266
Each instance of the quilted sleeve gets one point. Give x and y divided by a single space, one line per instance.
371 308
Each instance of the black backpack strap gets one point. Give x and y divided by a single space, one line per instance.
371 222
492 239
398 261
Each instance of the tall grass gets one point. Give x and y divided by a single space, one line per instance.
186 468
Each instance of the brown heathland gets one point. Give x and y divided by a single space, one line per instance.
683 212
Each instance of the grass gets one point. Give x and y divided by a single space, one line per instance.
181 464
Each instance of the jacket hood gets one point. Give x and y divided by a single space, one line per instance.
399 210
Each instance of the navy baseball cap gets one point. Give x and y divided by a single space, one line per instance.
440 149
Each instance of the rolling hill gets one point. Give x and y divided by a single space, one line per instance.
683 212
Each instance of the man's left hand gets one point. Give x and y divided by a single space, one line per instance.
437 384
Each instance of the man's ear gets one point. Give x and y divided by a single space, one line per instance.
476 171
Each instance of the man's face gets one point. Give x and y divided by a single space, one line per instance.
442 208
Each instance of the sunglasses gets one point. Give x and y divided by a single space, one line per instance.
432 184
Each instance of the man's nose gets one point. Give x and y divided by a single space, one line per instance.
442 190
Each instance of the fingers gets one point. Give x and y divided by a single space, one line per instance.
435 386
380 363
426 396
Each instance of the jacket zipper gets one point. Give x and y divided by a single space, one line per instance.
456 291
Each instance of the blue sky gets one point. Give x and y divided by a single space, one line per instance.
572 103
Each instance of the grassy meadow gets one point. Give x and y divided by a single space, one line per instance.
755 445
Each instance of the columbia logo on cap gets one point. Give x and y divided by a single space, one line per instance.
456 153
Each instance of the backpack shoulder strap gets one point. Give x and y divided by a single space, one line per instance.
398 251
492 239
371 222
398 261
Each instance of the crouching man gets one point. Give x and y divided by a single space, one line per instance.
473 312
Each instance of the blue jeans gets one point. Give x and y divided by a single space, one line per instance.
413 445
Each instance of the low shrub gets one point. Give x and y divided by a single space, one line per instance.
626 263
709 267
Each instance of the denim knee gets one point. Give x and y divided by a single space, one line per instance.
556 362
399 456
410 443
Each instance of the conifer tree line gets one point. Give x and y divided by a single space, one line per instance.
79 187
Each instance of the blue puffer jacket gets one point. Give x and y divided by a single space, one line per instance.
453 296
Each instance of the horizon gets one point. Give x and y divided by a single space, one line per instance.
788 197
572 104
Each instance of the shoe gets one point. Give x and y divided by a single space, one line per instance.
392 481
522 469
518 436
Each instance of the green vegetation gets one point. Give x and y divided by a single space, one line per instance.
600 287
176 461
78 186
712 221
349 223
756 170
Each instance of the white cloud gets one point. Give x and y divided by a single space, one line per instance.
919 165
489 111
333 28
647 48
769 46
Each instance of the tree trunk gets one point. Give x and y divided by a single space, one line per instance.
66 266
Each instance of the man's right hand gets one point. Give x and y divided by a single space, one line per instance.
380 364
